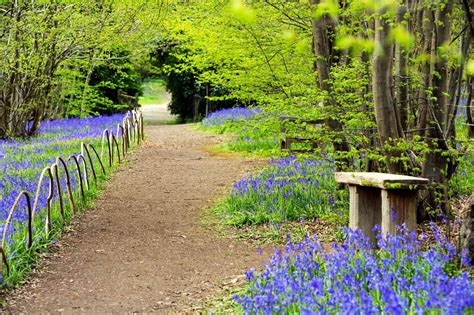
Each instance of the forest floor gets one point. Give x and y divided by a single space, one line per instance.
144 246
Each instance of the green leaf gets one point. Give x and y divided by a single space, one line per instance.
400 35
242 12
329 7
470 67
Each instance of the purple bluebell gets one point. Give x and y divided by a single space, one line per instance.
399 277
22 160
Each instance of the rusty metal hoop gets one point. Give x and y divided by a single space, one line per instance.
85 149
80 158
4 261
38 189
10 216
132 129
60 160
79 174
98 157
120 135
55 170
114 141
106 136
142 127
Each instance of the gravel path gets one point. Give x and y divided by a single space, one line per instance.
142 248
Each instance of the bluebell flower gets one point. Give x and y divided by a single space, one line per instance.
355 278
22 161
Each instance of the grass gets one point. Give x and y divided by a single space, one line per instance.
288 196
250 133
224 302
22 260
285 199
154 92
257 210
462 182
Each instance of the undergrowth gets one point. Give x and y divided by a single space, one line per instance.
250 131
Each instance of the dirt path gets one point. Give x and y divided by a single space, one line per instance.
158 114
142 248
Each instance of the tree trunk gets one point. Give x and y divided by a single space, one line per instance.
467 229
385 111
427 70
322 48
470 110
439 166
401 77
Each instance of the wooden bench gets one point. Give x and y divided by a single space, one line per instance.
286 143
381 199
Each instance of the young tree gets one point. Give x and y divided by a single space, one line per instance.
39 40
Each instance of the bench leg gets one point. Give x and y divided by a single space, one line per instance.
364 209
398 207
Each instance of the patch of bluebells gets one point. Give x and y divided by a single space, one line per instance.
22 161
234 114
398 277
286 189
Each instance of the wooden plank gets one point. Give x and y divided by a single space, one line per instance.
398 207
364 209
380 180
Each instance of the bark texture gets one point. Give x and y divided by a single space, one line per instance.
388 123
323 44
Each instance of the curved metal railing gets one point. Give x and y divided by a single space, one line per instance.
128 133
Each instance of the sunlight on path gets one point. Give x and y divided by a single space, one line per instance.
158 114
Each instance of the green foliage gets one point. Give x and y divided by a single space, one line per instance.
462 182
24 259
254 140
69 58
258 135
470 67
261 53
172 57
93 89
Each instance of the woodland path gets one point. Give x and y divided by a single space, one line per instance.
143 247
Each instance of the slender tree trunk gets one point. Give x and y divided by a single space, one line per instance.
429 49
86 83
385 110
470 110
322 48
438 165
401 75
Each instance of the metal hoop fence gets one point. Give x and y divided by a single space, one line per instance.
113 147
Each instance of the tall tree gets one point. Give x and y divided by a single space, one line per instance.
437 95
324 35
